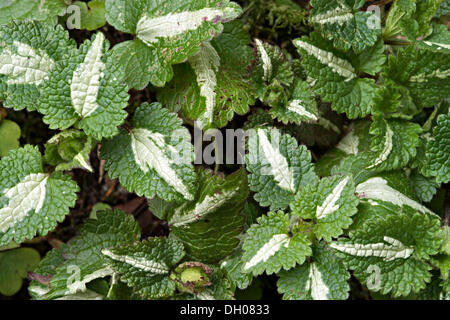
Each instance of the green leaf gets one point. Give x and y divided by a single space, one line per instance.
31 10
424 73
259 118
214 83
444 9
395 102
278 167
330 204
269 246
86 89
388 248
136 59
399 11
342 22
335 74
171 31
233 267
272 74
220 288
10 133
26 62
69 149
83 261
41 276
392 188
301 107
437 154
419 24
153 158
323 278
425 187
14 265
356 141
92 14
411 18
208 226
30 200
394 143
146 265
438 40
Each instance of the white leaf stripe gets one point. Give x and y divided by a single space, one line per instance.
268 250
278 164
25 65
394 249
205 64
296 106
387 149
138 262
149 150
315 283
81 160
29 194
267 62
340 66
442 45
440 74
149 29
329 204
338 15
349 144
85 83
201 209
377 188
80 285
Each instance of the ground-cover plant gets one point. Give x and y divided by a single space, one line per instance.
293 149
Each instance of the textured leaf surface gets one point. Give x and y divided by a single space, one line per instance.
301 106
438 150
387 249
272 74
323 278
209 225
88 89
278 167
330 204
69 149
394 143
342 22
40 284
215 83
438 40
411 18
30 200
29 51
171 31
153 158
146 265
269 247
233 267
82 260
336 75
380 188
30 9
424 74
356 141
425 187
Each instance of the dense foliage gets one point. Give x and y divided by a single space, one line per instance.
335 187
